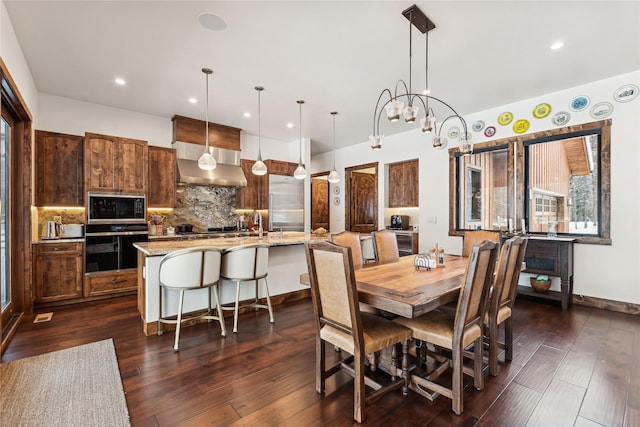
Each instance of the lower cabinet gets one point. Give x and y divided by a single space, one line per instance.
57 273
97 284
407 242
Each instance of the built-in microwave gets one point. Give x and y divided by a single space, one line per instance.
116 208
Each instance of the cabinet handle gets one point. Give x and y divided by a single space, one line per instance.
118 281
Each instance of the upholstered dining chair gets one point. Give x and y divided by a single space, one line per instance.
368 251
352 240
188 270
385 245
340 323
455 331
503 296
473 237
242 264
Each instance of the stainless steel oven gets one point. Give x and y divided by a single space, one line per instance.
105 208
109 247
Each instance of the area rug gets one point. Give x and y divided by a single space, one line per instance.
79 386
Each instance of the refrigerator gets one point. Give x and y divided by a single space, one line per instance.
286 203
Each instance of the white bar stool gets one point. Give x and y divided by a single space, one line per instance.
186 270
246 263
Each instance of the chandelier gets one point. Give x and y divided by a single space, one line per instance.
395 107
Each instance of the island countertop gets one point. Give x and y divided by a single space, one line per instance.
163 247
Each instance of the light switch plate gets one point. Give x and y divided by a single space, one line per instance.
58 219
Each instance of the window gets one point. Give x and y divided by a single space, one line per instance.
557 180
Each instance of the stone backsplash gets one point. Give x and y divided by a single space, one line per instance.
68 216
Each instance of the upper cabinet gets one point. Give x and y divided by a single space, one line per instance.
114 164
186 129
59 169
403 184
256 194
161 190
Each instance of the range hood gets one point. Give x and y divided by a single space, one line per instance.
227 173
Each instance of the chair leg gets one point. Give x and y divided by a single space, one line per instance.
320 364
179 320
405 367
266 287
478 375
493 347
160 312
358 388
456 385
508 339
219 311
237 308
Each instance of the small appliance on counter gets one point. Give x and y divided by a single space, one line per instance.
53 230
399 222
70 231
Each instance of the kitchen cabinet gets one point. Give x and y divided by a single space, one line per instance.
59 165
186 129
110 282
57 271
256 194
403 184
115 165
161 189
280 167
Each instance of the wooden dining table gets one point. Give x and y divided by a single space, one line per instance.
400 288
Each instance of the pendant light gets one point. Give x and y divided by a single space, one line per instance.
206 161
334 177
259 168
300 172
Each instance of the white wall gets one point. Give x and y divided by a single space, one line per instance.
609 272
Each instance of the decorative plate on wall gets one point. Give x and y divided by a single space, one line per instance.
454 132
490 131
541 111
336 201
477 126
625 93
601 110
336 190
579 103
521 126
505 118
560 118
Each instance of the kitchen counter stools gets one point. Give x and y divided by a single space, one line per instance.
247 263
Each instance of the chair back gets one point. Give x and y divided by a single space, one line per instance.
245 262
475 288
190 268
368 251
333 291
386 246
352 240
473 237
508 273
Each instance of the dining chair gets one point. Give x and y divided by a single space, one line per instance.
503 296
473 237
368 251
352 240
340 323
242 264
188 270
385 245
456 331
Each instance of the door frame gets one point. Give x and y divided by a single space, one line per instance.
347 192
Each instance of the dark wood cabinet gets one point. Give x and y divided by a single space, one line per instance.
280 167
114 164
161 189
403 184
59 179
57 271
256 194
110 283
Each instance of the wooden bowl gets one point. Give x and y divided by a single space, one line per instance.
539 285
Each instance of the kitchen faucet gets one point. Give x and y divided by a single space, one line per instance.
259 225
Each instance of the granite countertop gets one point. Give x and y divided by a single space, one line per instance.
61 240
163 247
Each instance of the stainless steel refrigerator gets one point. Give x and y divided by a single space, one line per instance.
286 203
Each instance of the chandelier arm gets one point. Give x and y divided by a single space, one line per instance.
382 108
407 92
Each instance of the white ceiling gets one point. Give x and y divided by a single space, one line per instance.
336 55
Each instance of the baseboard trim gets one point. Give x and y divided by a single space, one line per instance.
605 304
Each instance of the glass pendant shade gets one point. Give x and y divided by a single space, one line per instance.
207 161
410 113
300 173
334 177
394 109
259 168
376 141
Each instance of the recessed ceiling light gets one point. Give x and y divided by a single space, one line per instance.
120 81
247 114
211 22
557 45
289 125
192 100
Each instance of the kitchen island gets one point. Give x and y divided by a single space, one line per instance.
286 261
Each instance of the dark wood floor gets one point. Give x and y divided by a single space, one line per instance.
579 368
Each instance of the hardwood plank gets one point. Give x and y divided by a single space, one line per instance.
577 368
548 412
540 369
517 401
605 400
583 422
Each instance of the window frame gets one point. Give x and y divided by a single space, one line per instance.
516 178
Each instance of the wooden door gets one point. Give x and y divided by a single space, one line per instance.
59 169
131 166
363 202
99 160
320 203
161 189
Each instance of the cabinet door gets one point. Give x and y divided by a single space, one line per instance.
131 166
59 169
161 190
58 271
247 197
396 185
411 173
100 162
